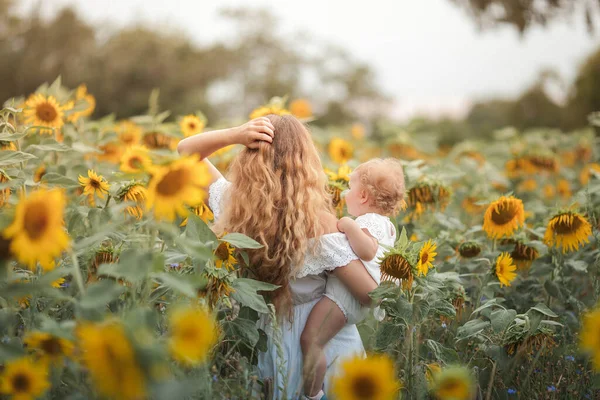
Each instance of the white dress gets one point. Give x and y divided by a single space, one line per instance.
384 231
282 362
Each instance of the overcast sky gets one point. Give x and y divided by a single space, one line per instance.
427 54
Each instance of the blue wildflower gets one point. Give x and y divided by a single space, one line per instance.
444 325
551 388
569 358
512 391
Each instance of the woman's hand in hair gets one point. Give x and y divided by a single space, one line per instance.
255 131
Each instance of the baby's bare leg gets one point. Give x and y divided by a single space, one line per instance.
324 322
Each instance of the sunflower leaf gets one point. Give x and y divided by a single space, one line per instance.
100 293
542 308
9 157
49 147
241 241
501 319
246 292
197 229
442 353
59 180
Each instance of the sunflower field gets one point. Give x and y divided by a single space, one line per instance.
113 286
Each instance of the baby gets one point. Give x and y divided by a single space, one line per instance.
376 190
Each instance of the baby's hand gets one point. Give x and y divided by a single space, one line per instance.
344 223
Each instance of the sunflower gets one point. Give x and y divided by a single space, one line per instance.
357 131
51 348
129 133
547 163
431 370
8 146
111 152
4 192
39 173
504 269
24 379
81 94
301 108
590 336
94 184
396 266
342 174
469 204
426 257
569 230
586 172
340 150
158 140
524 255
503 217
216 289
531 344
191 125
335 189
518 167
136 193
44 112
58 283
371 378
427 195
203 212
564 188
405 151
37 231
110 360
174 186
549 191
135 159
224 256
263 111
528 185
194 332
453 383
106 254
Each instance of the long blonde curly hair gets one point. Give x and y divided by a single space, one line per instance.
277 194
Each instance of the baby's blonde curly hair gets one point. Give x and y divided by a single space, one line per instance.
278 192
383 179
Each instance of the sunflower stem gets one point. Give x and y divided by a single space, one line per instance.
491 382
107 201
77 272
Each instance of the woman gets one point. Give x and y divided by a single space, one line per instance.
276 194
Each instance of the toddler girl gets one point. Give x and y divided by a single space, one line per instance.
376 190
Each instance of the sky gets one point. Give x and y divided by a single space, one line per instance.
427 54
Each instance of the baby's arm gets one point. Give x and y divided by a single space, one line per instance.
364 245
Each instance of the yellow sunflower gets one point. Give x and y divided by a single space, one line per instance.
342 174
469 205
39 173
524 255
81 94
94 184
159 140
8 146
426 257
528 185
111 152
191 125
505 269
340 150
301 108
396 266
549 191
564 188
453 383
431 370
50 347
569 230
266 110
37 231
129 133
357 131
135 193
4 193
110 360
586 172
216 289
44 112
224 256
174 186
503 217
590 336
469 249
135 159
194 332
203 212
371 378
24 379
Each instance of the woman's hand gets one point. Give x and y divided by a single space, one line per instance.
255 131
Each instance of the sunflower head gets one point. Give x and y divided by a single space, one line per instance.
453 383
524 255
159 140
504 269
400 262
224 256
469 204
44 112
357 130
503 217
590 336
94 184
4 192
50 347
428 195
192 124
301 108
544 162
135 159
202 211
218 287
24 378
426 256
111 152
129 133
276 105
85 102
469 249
568 230
37 232
194 332
7 146
542 340
340 150
368 378
342 175
587 171
136 193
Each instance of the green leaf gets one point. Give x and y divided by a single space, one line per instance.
8 157
578 265
471 328
100 293
245 329
552 289
403 240
180 283
12 137
49 147
59 180
444 308
133 266
542 308
197 229
501 319
489 303
82 148
241 241
245 292
442 353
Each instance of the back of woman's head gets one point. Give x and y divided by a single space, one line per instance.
277 193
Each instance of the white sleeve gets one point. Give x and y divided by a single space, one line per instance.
216 192
334 252
376 226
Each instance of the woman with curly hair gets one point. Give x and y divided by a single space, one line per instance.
276 193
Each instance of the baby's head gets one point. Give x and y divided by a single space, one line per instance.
376 186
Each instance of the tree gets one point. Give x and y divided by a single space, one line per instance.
584 96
